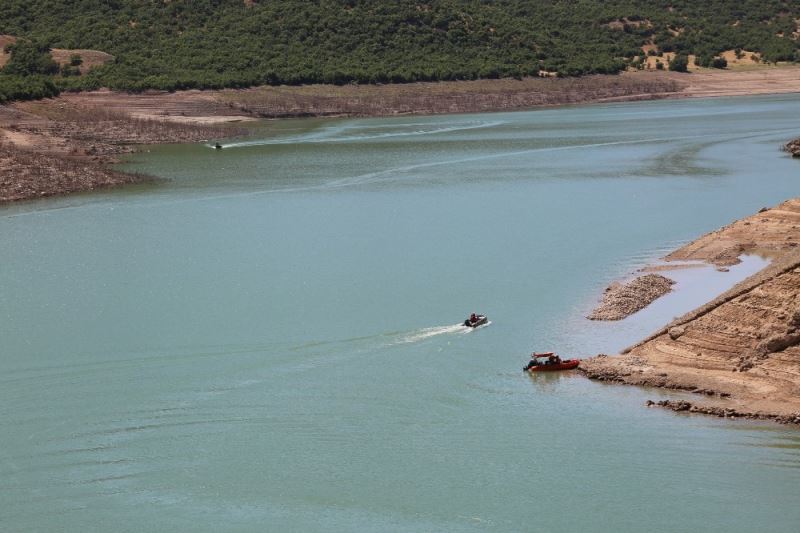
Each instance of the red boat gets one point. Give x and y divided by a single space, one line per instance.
551 363
568 364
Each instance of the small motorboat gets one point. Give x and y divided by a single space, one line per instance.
567 364
217 146
549 362
476 320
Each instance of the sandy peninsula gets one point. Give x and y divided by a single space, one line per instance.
740 353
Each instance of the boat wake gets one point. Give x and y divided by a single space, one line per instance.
341 134
370 343
427 333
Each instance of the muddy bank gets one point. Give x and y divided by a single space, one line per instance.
741 351
506 94
211 107
93 128
446 97
61 146
26 175
741 81
623 299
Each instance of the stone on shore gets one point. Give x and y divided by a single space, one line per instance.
623 299
793 147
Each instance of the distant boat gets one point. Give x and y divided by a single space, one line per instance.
217 146
479 320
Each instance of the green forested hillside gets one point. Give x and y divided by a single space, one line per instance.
174 44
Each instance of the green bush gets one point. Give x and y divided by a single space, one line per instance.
226 43
26 88
68 70
29 58
679 63
719 62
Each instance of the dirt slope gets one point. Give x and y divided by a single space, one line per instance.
740 352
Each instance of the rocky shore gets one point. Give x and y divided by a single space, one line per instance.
64 145
623 299
740 352
27 174
793 147
722 412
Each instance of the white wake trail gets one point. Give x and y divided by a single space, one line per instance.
330 136
427 333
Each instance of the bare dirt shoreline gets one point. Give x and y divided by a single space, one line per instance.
740 353
55 147
66 144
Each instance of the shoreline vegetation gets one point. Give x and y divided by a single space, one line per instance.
216 44
67 144
739 353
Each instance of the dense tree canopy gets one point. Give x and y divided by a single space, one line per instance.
30 58
176 44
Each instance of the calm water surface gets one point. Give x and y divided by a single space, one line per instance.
268 339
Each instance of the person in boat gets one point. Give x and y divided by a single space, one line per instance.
532 363
473 318
552 359
535 356
535 359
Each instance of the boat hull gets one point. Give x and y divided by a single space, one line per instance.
569 364
480 322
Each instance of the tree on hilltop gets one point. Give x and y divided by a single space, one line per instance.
679 63
29 58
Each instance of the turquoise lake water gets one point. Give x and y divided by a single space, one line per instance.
267 339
